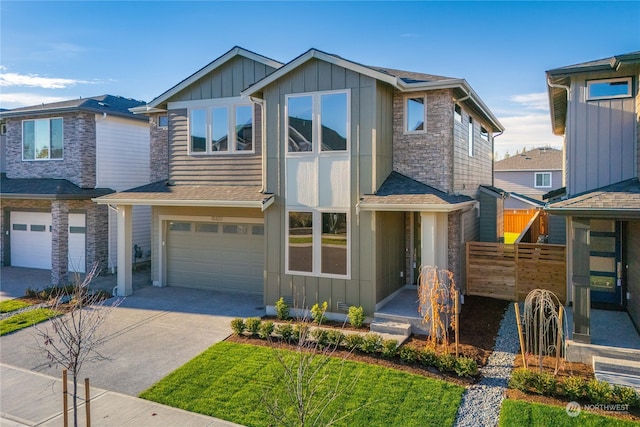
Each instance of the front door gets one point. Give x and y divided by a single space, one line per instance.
605 264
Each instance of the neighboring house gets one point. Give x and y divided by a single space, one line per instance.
318 180
58 157
596 106
529 175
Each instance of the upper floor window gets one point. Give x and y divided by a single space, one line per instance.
542 179
470 136
221 129
318 122
415 115
3 128
484 134
42 139
608 88
457 113
163 121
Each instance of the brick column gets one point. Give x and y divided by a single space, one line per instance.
59 242
97 236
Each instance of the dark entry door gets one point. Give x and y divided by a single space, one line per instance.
605 263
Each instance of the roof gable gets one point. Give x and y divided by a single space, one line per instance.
538 159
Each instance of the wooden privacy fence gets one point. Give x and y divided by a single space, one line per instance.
510 272
516 220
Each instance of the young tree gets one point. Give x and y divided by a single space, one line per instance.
72 339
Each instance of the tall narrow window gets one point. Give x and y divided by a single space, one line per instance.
198 126
457 113
244 128
415 115
334 243
220 129
300 110
301 241
333 126
484 134
470 136
42 139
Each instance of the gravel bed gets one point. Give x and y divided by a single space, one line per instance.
22 310
481 402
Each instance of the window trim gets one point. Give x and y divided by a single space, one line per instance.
405 126
589 83
159 121
316 242
484 134
209 105
535 179
48 159
316 120
457 117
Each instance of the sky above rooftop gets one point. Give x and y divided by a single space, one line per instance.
52 51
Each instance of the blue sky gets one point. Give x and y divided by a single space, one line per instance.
52 51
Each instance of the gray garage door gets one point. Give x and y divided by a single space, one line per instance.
219 256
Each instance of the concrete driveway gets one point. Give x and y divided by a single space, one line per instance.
151 333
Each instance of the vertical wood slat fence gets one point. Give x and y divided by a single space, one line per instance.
510 272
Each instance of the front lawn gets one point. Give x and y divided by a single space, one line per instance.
26 319
12 305
229 380
519 413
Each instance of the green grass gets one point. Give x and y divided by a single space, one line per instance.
12 305
325 240
229 380
26 319
518 413
510 238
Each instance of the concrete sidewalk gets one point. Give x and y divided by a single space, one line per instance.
29 398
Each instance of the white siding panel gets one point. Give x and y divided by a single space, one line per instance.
141 232
122 153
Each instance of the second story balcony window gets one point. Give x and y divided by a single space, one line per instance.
42 139
221 129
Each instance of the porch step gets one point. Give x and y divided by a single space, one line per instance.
617 371
388 327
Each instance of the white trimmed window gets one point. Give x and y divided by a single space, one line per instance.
223 128
163 121
318 122
457 113
318 243
542 180
484 134
470 137
415 114
42 139
608 88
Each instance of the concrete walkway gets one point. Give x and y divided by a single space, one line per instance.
32 399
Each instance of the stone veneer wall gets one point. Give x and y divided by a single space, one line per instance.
456 247
79 151
427 157
159 155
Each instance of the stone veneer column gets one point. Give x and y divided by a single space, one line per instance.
97 236
59 242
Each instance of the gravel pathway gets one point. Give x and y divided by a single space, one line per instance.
481 402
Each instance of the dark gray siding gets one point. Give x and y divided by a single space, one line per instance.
490 217
384 134
557 229
633 271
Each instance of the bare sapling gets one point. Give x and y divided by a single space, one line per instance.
437 293
543 325
74 338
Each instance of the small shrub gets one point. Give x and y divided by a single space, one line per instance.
285 331
599 392
545 384
30 292
238 326
282 309
253 325
409 354
353 341
317 312
389 348
626 396
321 337
466 367
371 343
428 357
301 332
266 329
335 337
356 316
446 363
573 387
522 379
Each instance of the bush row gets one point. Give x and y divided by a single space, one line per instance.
573 388
371 343
355 315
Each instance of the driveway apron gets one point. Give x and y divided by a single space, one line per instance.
151 333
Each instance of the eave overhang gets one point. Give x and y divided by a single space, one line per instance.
414 207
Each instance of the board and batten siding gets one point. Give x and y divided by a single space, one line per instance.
122 162
213 169
383 135
314 76
600 136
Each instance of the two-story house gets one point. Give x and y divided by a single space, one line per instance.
318 180
58 157
596 107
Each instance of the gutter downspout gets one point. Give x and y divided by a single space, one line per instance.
555 85
493 150
263 112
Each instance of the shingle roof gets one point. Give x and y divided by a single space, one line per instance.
399 190
410 76
163 193
538 159
110 104
620 197
36 188
527 199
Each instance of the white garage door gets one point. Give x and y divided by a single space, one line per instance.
220 256
77 240
31 239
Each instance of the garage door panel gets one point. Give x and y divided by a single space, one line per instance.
30 239
224 257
